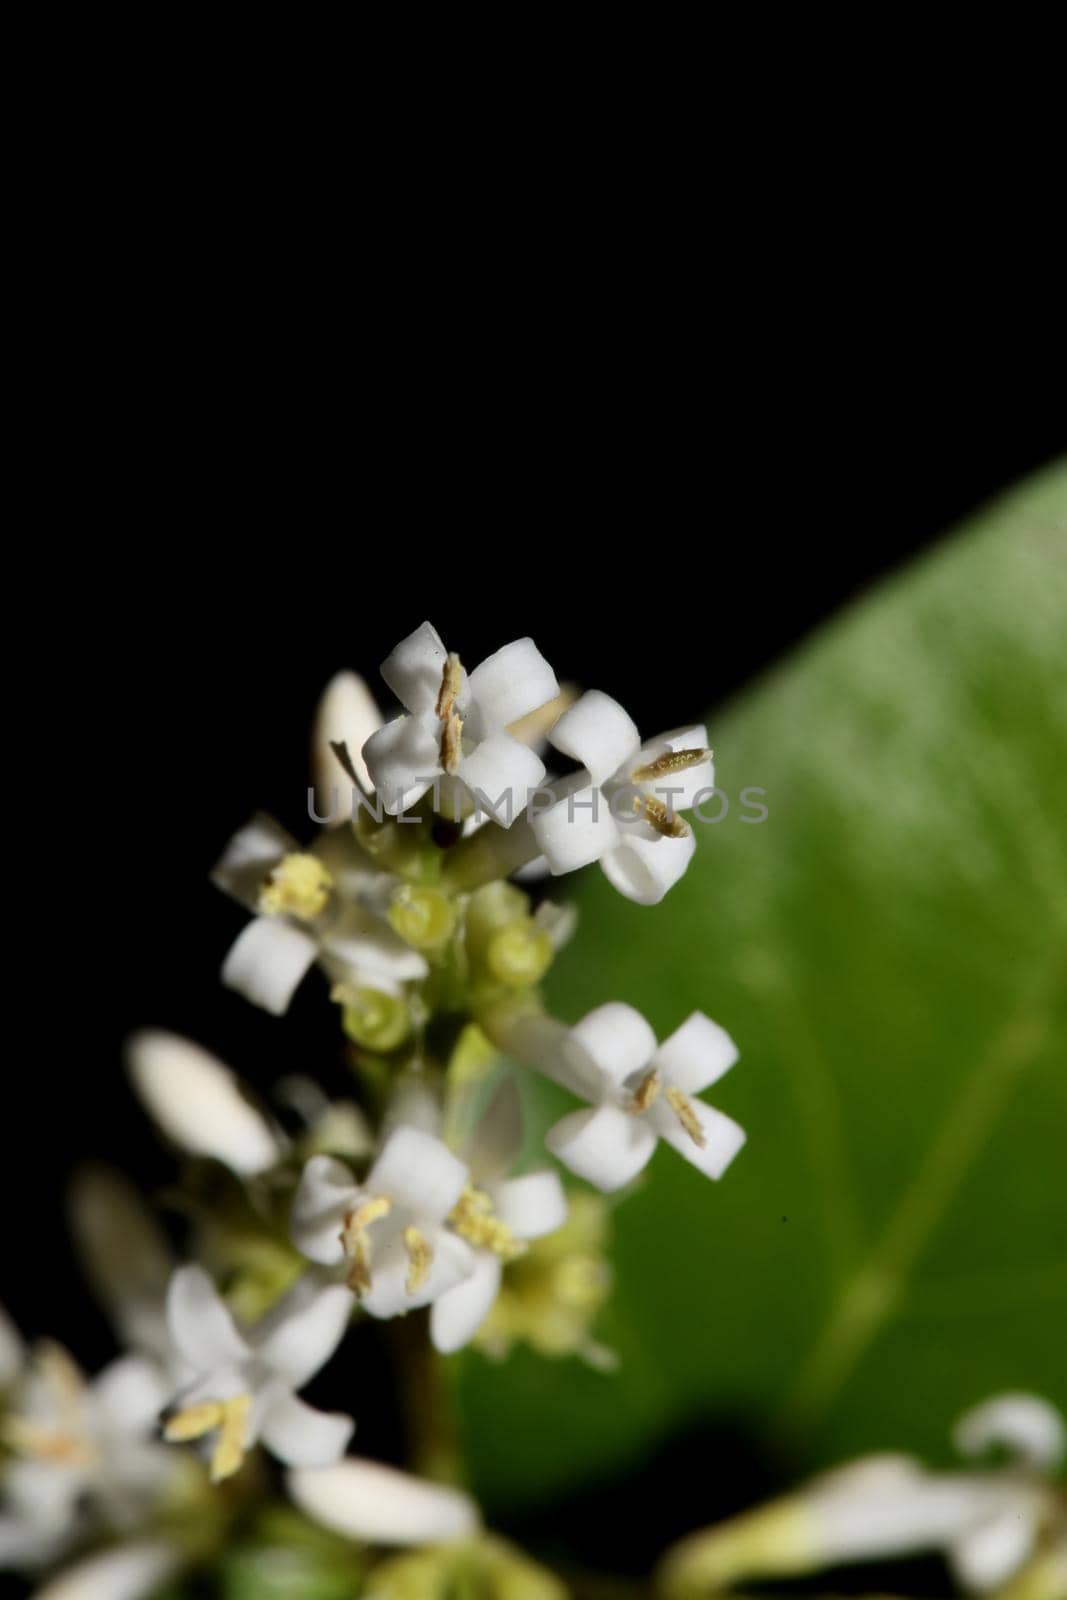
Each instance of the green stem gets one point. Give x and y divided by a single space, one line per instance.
431 1423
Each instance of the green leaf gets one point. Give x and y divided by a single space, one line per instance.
889 949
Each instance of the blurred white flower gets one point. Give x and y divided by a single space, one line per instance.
242 1384
378 1505
127 1572
390 1230
639 1093
347 714
628 816
458 724
200 1104
85 1455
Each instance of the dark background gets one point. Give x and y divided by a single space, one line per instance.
665 521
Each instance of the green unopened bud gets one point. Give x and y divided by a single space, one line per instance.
774 1541
375 1020
424 918
520 955
488 1568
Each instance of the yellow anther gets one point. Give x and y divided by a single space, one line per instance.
682 1107
667 823
666 765
299 887
473 1218
354 1240
451 681
39 1443
230 1417
451 742
646 1092
420 1255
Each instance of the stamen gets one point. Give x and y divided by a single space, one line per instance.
682 1107
38 1443
193 1422
230 1417
451 742
646 1092
473 1218
666 765
667 823
298 887
354 1240
451 682
420 1254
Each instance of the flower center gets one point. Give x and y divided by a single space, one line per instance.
298 887
229 1417
355 1243
474 1219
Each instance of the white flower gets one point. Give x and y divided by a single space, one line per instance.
458 724
199 1103
640 1093
242 1388
346 714
497 1216
85 1454
378 1505
127 1572
391 1229
12 1353
326 904
628 816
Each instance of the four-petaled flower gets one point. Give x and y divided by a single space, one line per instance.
639 1093
391 1230
628 816
242 1384
458 724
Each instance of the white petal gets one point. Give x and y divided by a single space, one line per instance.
300 1333
303 1437
500 773
378 1505
923 1512
990 1554
347 714
644 869
198 1102
266 962
678 790
414 669
607 1146
325 1195
575 831
696 1055
615 1038
510 684
1025 1424
250 857
419 1172
370 953
12 1352
129 1395
458 1314
597 733
403 758
129 1572
532 1205
202 1329
723 1138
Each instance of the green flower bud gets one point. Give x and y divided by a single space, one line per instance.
520 955
375 1020
424 918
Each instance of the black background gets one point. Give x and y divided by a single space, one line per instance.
245 513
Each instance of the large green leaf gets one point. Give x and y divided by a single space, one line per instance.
890 951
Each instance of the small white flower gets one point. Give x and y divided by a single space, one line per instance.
391 1229
85 1455
127 1572
200 1104
640 1093
327 904
378 1505
242 1385
628 816
457 726
497 1216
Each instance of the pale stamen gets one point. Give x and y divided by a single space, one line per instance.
667 765
682 1107
354 1240
473 1218
646 1093
230 1417
451 682
420 1255
665 822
